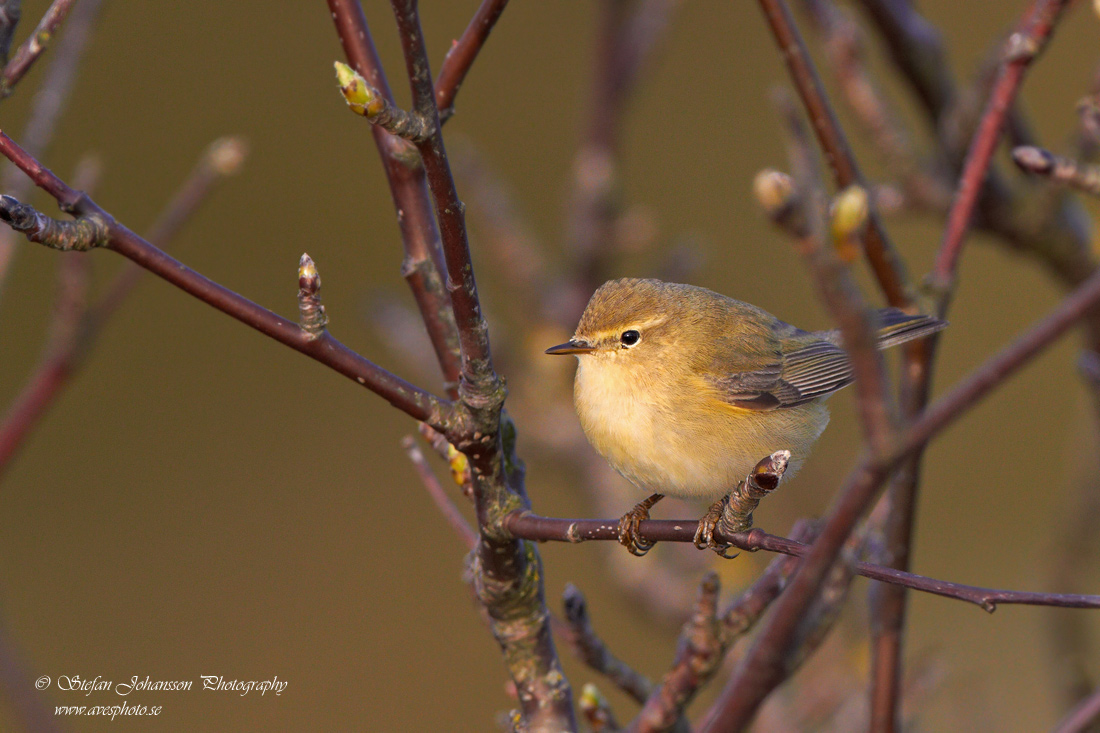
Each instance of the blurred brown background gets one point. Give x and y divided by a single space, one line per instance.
204 501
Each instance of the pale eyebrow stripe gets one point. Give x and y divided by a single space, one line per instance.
640 325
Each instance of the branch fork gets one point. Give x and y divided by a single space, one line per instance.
80 235
365 100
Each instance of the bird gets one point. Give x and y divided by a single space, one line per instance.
683 390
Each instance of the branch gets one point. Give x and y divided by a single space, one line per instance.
29 51
46 108
456 64
413 401
547 529
423 265
837 289
64 356
907 34
884 260
442 501
480 383
1055 168
762 668
1020 50
1079 719
703 647
507 574
590 648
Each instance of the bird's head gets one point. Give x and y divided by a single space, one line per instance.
632 319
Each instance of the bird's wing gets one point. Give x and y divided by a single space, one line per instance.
803 374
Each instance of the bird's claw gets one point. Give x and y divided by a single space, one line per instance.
629 527
704 533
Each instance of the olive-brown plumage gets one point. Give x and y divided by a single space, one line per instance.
683 390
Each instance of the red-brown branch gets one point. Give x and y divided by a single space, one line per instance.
32 48
1021 49
413 401
64 357
423 266
461 56
883 258
1081 717
763 667
551 529
479 380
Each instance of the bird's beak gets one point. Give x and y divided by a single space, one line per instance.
572 346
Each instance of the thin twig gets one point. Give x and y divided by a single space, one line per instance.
46 108
442 500
592 650
1079 719
1022 47
884 260
415 402
29 51
1057 169
460 57
837 289
423 265
701 651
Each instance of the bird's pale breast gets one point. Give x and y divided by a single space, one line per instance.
681 439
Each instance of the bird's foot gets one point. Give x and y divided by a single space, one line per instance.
628 526
704 534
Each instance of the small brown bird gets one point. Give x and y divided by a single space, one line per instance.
684 390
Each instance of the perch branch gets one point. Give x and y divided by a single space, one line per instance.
549 529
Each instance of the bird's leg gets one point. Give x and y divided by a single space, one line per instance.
704 534
628 526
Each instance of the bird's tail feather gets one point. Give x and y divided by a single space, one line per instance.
896 327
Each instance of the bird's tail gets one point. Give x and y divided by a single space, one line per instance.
896 327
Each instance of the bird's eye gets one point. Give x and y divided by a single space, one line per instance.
629 338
